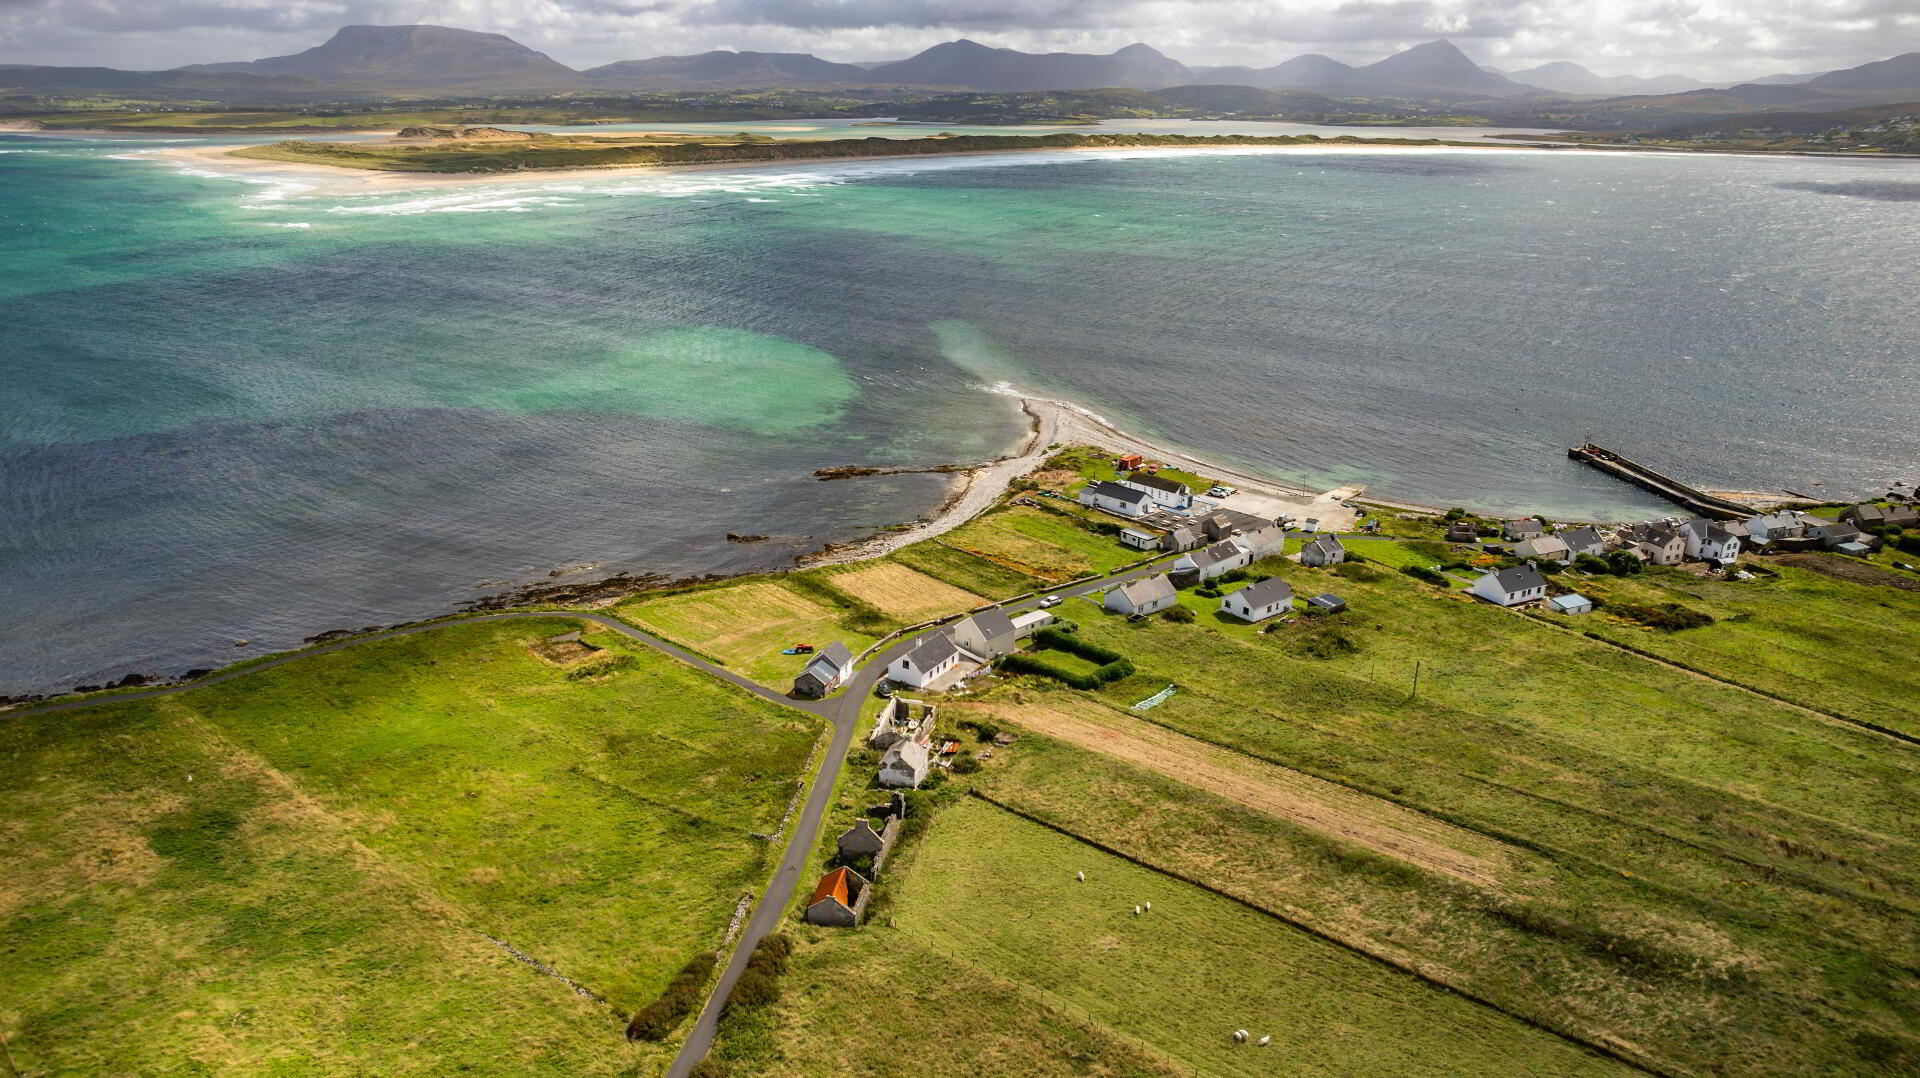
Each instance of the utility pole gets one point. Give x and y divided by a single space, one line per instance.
1415 698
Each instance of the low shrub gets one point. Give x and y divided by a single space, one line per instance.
1351 570
605 664
1181 614
1105 675
966 764
1421 572
1667 617
759 983
657 1020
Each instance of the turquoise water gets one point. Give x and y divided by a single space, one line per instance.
259 410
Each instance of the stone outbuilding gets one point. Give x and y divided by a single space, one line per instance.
836 900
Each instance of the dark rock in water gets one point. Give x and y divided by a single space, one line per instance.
196 673
241 643
732 538
331 634
86 688
130 681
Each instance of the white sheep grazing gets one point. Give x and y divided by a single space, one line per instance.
1149 907
1136 911
1264 1041
1239 1036
1081 876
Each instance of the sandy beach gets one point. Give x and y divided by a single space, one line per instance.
1062 423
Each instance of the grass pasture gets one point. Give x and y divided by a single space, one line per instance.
746 625
902 592
998 893
1833 644
1039 544
320 857
968 572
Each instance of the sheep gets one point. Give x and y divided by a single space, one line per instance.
1136 911
1240 1036
1149 907
1264 1041
1081 876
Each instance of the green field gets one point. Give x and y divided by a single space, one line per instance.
1833 644
304 871
747 625
1020 959
1039 544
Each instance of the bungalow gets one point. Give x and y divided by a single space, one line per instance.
1570 604
1323 551
1509 587
861 840
1259 601
1263 542
1184 537
1144 596
988 634
904 764
935 656
1221 557
1139 538
1710 541
1114 498
1587 540
1524 528
837 898
1462 532
1545 548
829 670
1165 493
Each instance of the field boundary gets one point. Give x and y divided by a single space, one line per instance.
1435 983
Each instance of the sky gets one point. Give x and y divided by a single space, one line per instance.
1710 39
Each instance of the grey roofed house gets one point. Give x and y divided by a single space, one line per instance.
1106 488
1864 514
1184 537
1524 528
1148 479
1509 586
1143 596
1326 550
988 633
934 649
1585 540
1259 600
825 671
1548 547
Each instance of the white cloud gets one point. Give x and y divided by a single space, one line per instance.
1708 38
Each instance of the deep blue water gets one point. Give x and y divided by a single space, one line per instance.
256 411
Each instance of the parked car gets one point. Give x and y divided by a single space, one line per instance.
1051 601
884 689
1221 492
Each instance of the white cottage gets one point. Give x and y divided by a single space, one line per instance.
1144 596
1709 540
1165 493
936 655
1545 548
1115 498
1222 557
1259 601
1510 587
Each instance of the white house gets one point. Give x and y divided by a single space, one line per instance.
905 764
1570 604
1165 493
1259 601
1587 540
1772 527
1139 538
1263 542
1544 547
1524 528
1710 541
1221 557
828 670
1323 551
1656 543
1114 498
936 655
990 634
1143 596
1520 584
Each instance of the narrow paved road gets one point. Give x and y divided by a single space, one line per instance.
842 711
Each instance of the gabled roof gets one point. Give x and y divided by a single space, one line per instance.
1544 544
905 751
1107 489
991 623
1218 552
1581 537
933 651
1147 479
836 885
1519 578
1148 589
835 653
1525 526
1268 592
1326 544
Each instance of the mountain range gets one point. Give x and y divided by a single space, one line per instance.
416 59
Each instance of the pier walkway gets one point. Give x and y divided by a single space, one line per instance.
1657 483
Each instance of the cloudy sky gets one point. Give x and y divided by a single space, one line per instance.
1707 38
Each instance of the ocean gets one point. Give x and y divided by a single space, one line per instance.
253 411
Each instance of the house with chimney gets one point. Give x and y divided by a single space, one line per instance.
1259 600
825 672
1147 595
1164 493
1116 498
1511 587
